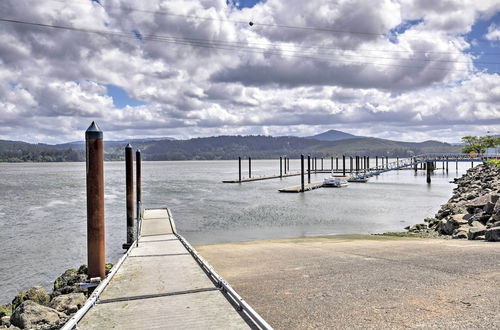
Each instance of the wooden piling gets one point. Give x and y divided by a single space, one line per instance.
284 159
322 163
302 173
429 169
138 191
249 167
281 167
129 192
95 202
331 163
336 163
343 165
308 168
239 169
350 165
386 161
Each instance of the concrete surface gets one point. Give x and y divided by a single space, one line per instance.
160 286
365 282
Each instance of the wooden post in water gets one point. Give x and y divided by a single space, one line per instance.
331 163
284 159
322 163
281 167
429 166
239 169
96 259
343 165
386 161
397 162
357 164
447 164
368 162
288 164
350 165
337 163
456 164
249 167
472 164
415 164
129 192
308 168
376 162
138 191
302 173
315 164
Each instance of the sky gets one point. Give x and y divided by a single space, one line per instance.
410 70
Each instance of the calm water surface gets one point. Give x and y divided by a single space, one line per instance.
43 210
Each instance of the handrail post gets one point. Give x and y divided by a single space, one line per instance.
95 202
129 191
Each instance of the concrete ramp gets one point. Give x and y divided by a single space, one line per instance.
160 285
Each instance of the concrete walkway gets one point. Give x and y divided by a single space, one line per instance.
365 282
161 286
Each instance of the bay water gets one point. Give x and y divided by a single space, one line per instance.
43 209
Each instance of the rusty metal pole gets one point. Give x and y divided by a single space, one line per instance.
138 192
129 192
96 258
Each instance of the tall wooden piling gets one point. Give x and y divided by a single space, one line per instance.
288 164
447 164
281 167
331 163
429 167
129 192
239 169
368 162
284 159
249 167
322 163
302 173
386 161
308 168
95 202
350 165
138 191
343 165
336 163
456 164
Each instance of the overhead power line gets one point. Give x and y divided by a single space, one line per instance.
209 44
253 23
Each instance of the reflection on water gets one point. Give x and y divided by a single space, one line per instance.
43 210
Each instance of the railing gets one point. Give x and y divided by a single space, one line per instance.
223 285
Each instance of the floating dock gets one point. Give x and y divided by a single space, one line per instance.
307 187
164 284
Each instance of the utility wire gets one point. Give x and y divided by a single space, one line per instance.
254 23
207 44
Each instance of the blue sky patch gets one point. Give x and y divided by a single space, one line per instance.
121 98
240 4
484 50
401 28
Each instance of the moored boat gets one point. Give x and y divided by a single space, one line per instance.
335 182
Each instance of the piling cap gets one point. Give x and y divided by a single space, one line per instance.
93 132
128 146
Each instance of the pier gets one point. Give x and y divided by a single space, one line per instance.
161 282
359 169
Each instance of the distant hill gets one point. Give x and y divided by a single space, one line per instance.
333 135
226 147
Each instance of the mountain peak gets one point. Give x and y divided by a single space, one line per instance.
333 135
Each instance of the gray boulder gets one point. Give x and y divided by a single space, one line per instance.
68 303
477 229
481 201
34 316
492 234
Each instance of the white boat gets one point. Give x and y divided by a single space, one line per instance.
334 182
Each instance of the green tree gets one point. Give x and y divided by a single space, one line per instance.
479 144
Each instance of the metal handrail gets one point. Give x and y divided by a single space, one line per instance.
223 285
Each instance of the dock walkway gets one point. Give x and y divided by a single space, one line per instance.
160 285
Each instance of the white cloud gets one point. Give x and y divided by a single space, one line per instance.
493 33
262 79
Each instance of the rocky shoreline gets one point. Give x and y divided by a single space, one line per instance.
473 212
37 309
